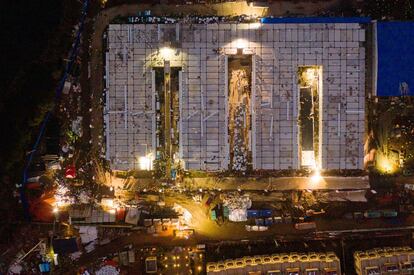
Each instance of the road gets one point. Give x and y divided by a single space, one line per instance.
210 232
262 244
278 184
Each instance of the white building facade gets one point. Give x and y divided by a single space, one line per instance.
203 51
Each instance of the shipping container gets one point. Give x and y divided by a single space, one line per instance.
252 213
389 213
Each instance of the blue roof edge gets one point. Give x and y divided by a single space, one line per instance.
310 20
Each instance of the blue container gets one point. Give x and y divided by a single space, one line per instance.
44 267
266 213
252 213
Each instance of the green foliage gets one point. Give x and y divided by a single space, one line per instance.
159 168
71 137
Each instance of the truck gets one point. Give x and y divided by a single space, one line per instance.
389 213
305 225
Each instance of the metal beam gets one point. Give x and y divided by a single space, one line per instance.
126 107
180 120
154 117
253 113
167 117
226 117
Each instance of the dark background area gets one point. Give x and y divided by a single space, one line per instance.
35 37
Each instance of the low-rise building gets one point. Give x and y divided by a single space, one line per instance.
388 260
293 263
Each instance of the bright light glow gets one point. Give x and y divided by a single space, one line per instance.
308 159
145 163
166 52
316 177
241 43
55 210
107 202
385 165
310 75
112 211
62 196
255 26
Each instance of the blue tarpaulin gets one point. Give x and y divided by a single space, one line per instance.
44 267
395 71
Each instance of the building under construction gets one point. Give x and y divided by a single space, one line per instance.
275 94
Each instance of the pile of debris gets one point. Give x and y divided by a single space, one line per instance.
240 151
107 270
237 205
149 19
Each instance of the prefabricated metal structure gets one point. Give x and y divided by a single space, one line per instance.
293 263
202 51
387 260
